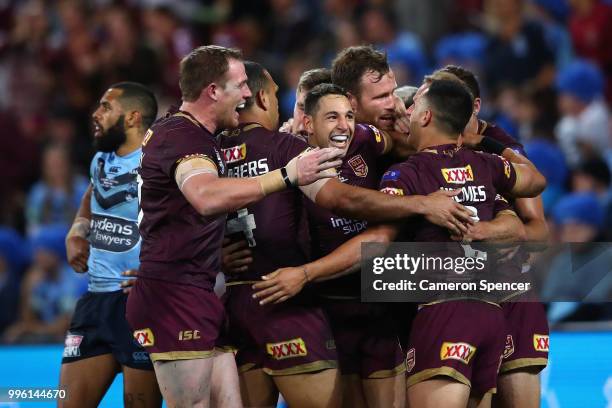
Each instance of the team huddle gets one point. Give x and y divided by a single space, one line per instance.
216 184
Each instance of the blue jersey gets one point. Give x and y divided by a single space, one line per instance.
114 237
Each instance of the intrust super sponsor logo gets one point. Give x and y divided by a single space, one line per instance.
541 342
112 233
287 349
235 153
457 351
458 175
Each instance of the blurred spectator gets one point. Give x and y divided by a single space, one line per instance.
13 259
49 290
591 32
406 94
584 129
404 49
517 51
580 271
466 50
548 158
56 198
552 14
594 176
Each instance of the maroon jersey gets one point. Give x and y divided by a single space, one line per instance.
479 176
178 244
270 226
495 132
328 230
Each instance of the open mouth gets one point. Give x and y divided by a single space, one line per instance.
339 141
386 120
97 129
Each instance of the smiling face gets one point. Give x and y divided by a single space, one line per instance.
108 122
333 123
375 104
232 95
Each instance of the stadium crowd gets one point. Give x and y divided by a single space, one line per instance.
545 68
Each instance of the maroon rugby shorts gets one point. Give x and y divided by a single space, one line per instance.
527 336
175 321
292 337
462 339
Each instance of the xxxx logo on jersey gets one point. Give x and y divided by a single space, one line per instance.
457 351
235 153
287 349
458 175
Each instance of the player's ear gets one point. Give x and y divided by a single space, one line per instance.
353 100
308 125
212 91
426 118
262 100
477 103
133 119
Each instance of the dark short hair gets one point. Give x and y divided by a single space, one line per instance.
257 80
203 66
465 75
137 96
451 104
311 78
311 102
352 63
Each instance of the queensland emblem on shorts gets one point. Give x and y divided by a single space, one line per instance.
410 360
287 349
144 337
540 342
457 351
359 166
509 347
72 345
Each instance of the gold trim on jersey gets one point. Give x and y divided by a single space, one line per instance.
188 117
424 375
246 367
304 368
400 369
522 363
181 355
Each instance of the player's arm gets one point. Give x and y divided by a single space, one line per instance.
531 212
77 246
211 195
284 283
505 227
374 206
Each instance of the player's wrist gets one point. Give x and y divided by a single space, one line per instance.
306 275
272 182
490 145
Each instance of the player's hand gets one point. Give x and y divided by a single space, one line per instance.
475 232
312 165
442 210
127 284
77 252
287 127
280 285
402 118
235 257
470 139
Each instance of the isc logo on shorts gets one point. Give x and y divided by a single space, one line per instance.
457 351
458 175
287 349
72 345
509 347
410 360
234 154
392 191
540 342
144 337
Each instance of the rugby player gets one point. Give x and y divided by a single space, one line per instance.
184 197
440 114
99 342
526 350
271 228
